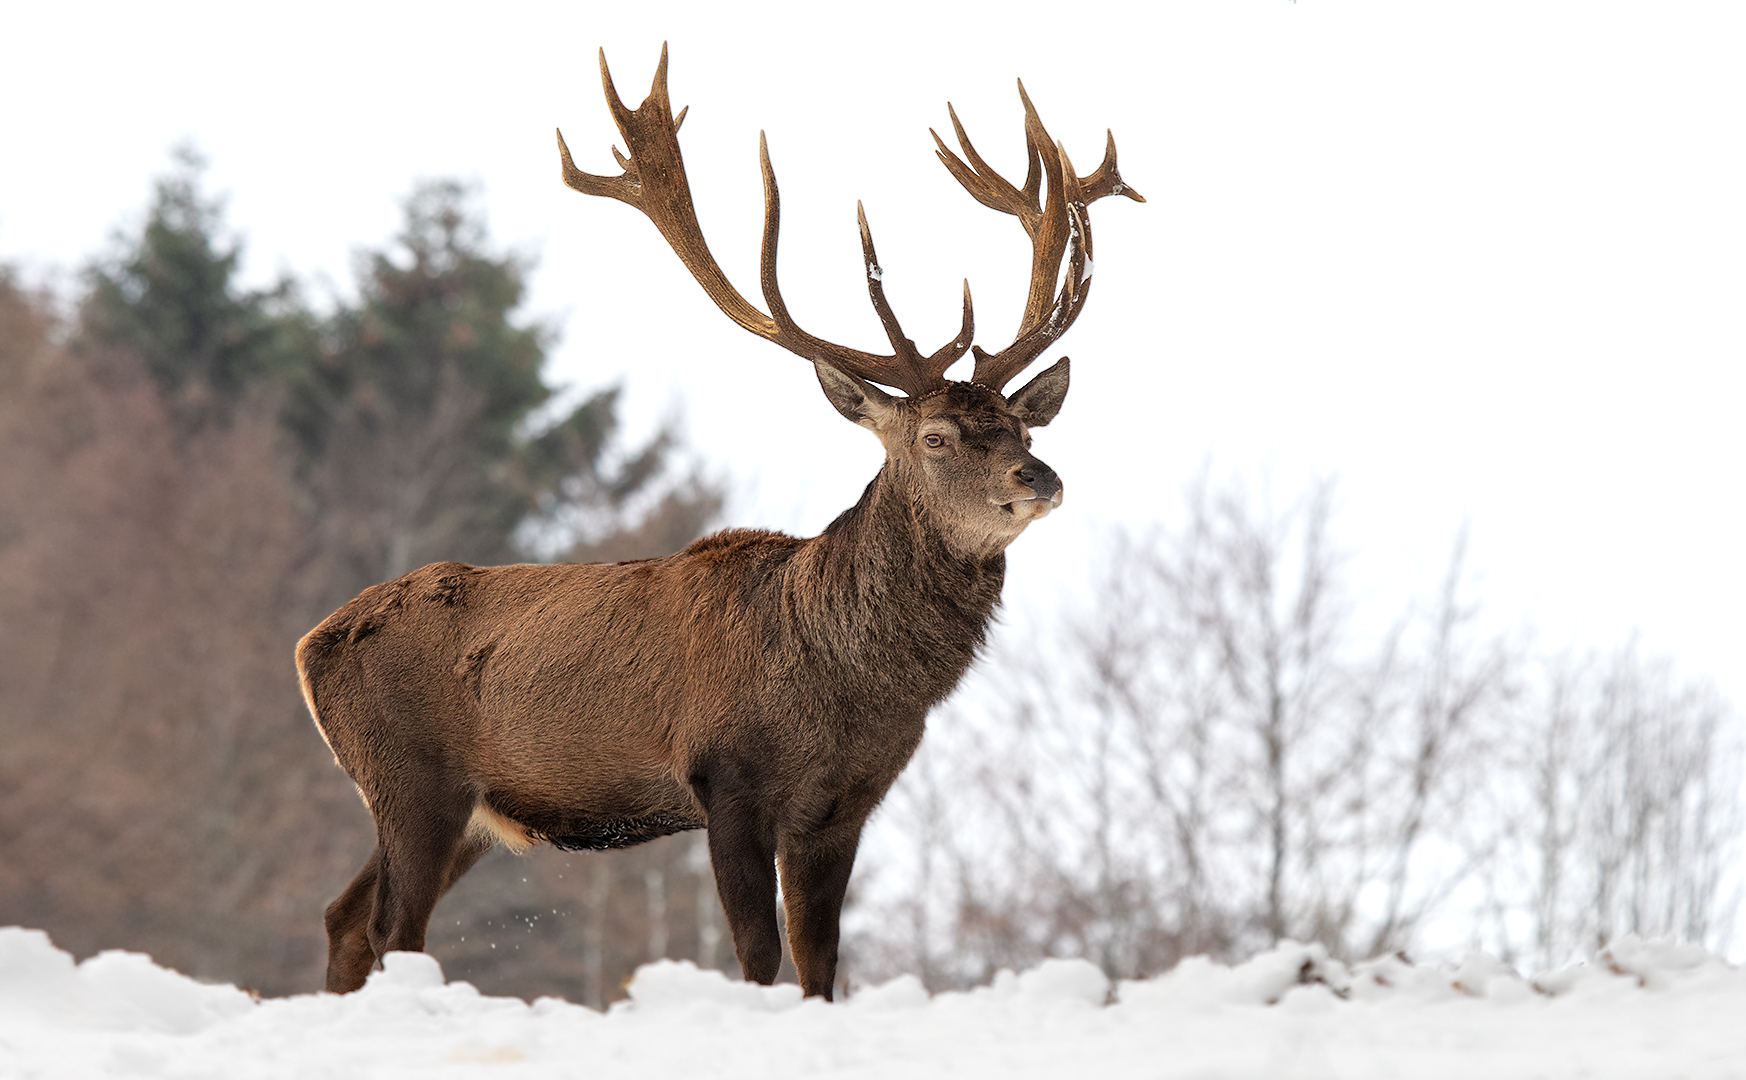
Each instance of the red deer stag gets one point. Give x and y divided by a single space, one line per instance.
767 688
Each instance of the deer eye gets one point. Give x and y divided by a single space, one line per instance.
935 441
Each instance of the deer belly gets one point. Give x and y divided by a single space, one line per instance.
571 832
605 804
597 828
619 833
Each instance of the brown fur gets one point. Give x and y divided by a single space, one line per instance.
767 687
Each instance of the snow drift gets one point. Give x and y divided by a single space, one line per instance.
1641 1009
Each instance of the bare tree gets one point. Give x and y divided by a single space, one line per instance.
1450 688
157 780
1628 814
1225 750
1214 759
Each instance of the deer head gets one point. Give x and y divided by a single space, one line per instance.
964 451
965 446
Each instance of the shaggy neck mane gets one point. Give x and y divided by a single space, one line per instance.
881 591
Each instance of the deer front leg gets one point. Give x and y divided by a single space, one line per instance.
742 848
815 877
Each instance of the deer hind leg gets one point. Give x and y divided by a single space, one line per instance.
472 848
424 847
349 955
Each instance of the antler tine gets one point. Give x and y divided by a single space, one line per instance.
628 185
984 184
901 346
625 187
1105 179
949 353
788 333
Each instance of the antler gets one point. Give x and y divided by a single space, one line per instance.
1059 227
654 182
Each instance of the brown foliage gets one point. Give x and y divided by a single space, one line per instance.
159 787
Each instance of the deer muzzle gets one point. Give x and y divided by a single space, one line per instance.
1045 485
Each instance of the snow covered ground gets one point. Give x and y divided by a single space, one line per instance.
1642 1009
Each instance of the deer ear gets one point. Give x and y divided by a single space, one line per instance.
856 398
1037 402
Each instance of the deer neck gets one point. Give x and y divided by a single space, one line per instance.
893 595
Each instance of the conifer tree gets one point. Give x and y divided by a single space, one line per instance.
417 417
169 299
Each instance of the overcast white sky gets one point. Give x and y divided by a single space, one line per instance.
1481 260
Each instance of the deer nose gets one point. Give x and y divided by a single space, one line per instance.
1039 478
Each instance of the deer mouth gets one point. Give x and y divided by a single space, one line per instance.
1032 508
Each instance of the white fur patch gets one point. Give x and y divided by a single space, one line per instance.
512 834
309 702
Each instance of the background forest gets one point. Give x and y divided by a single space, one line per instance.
1228 743
196 474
